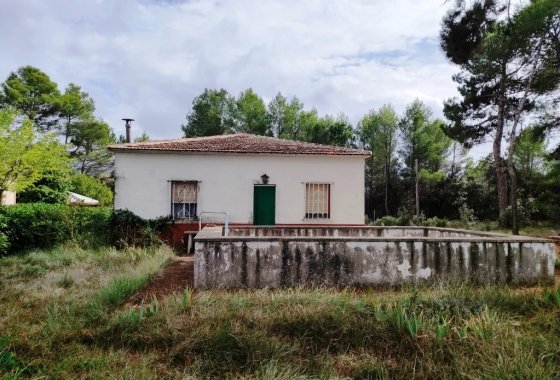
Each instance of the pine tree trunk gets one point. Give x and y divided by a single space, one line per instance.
417 191
497 153
511 150
386 188
502 189
513 197
371 203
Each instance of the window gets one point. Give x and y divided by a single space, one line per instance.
317 201
183 199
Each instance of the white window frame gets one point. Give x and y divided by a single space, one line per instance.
173 210
315 208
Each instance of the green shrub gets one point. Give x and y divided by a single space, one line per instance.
4 242
52 187
39 225
387 220
436 222
34 225
130 230
467 216
89 225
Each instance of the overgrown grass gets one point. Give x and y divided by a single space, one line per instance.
50 301
72 321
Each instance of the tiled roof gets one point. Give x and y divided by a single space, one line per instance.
237 143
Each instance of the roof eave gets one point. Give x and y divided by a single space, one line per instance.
136 150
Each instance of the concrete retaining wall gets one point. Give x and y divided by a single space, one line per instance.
321 259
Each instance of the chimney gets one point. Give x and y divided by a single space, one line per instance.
127 125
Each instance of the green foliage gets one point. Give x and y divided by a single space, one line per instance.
424 143
4 241
74 105
26 157
329 131
217 112
467 216
130 230
287 118
530 152
30 99
211 114
508 56
92 187
250 114
405 220
52 187
377 132
423 140
32 93
509 72
437 222
38 225
387 220
406 321
463 30
143 137
89 139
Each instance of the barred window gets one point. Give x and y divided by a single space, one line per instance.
317 201
184 196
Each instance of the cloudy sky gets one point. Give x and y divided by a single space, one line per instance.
148 59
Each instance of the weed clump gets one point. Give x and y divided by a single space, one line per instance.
130 230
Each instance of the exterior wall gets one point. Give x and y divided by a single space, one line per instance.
8 198
284 261
226 184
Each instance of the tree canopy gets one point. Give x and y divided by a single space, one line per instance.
34 94
26 156
212 114
89 139
510 71
74 105
35 117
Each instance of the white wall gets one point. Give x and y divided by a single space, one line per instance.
8 198
143 183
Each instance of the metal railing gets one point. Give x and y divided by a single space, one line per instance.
226 220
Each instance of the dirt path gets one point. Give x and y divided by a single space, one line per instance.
175 277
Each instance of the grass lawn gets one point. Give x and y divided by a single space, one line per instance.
63 314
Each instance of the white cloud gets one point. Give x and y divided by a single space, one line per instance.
148 59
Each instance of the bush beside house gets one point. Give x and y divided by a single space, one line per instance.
38 225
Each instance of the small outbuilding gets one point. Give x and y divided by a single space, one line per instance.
7 198
255 180
75 199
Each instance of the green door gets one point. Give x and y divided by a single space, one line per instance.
264 205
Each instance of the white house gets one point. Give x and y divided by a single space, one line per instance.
255 179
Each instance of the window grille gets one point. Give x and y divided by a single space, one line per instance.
317 201
184 196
